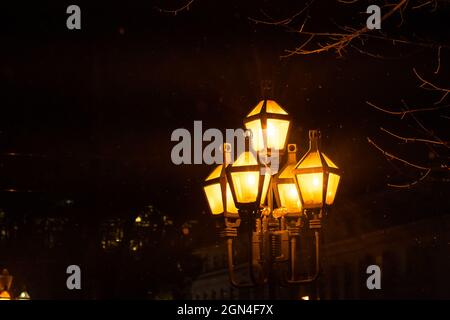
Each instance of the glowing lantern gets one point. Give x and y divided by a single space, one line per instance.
284 186
269 124
249 180
316 176
217 189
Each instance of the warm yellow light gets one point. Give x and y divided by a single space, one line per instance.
214 195
269 124
138 219
257 134
251 180
273 107
4 295
311 188
276 133
24 296
246 185
231 206
315 181
270 130
289 197
312 160
267 178
246 182
333 182
305 298
215 173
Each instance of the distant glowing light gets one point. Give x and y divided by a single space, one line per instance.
24 296
4 295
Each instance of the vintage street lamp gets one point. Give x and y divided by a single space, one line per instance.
304 187
269 124
284 186
249 180
217 188
316 176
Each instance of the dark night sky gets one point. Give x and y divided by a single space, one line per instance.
91 111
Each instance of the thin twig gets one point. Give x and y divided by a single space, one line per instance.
407 140
345 39
405 112
409 185
175 11
439 60
421 125
427 85
422 4
285 21
391 156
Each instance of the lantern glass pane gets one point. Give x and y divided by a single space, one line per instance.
256 109
276 133
215 173
273 107
333 182
311 186
312 160
214 195
265 188
329 162
257 134
231 206
246 158
289 197
245 185
287 172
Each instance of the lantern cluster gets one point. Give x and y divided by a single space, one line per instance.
310 183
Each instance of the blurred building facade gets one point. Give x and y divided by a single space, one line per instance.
414 262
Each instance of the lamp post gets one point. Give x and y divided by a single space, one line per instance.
303 191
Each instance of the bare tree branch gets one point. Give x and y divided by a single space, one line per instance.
285 21
405 112
342 40
438 60
411 184
420 124
407 140
432 87
391 156
347 1
423 4
186 7
427 170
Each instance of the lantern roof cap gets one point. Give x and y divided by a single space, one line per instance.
267 106
215 173
246 158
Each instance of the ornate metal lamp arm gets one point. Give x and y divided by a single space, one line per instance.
314 224
230 233
291 280
255 240
231 274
